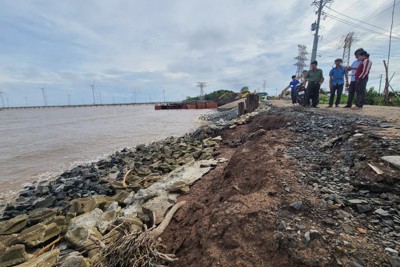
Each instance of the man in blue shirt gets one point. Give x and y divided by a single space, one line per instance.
336 82
292 85
353 67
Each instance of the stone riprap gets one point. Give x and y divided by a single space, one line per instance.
79 210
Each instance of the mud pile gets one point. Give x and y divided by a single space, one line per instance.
301 188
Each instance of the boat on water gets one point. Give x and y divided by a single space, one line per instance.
191 105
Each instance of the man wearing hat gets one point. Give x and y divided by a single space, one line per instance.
336 82
315 78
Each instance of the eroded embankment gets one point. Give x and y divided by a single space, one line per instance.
298 190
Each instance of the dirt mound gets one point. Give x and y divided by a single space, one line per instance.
231 216
297 190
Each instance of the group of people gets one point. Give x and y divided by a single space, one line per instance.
338 79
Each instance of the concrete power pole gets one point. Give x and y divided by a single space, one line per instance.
301 59
387 82
315 26
201 85
264 85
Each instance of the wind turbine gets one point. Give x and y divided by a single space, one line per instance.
92 86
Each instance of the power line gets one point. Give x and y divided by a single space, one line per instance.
355 25
387 8
358 20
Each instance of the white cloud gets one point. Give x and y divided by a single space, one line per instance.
149 45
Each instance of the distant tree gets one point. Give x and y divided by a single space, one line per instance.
244 89
214 96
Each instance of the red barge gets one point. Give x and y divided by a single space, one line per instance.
193 105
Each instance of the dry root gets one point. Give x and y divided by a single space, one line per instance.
137 248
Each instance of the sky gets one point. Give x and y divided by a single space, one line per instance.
98 51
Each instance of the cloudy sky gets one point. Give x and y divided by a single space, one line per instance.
143 50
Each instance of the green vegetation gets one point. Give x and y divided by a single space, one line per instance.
244 90
372 97
214 96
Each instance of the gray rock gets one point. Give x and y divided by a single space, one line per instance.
382 212
310 235
394 160
60 188
39 233
13 255
356 201
354 264
296 205
394 261
80 228
385 125
13 225
159 205
282 225
363 208
74 259
47 259
392 252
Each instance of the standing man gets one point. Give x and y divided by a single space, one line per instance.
361 76
336 82
293 92
352 87
315 78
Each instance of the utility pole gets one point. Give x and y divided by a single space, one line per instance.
264 85
380 84
201 85
1 95
315 26
386 90
301 59
92 86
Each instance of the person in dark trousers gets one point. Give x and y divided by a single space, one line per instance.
292 86
336 82
361 76
352 87
315 78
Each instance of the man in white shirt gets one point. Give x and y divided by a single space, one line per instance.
352 87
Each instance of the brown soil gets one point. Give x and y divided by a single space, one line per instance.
233 213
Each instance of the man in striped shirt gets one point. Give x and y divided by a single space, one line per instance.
361 76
